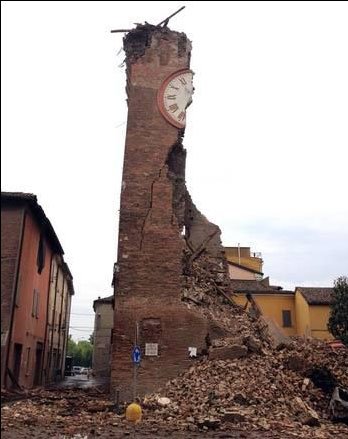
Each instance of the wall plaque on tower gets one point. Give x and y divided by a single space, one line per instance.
151 349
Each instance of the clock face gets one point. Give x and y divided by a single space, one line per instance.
174 96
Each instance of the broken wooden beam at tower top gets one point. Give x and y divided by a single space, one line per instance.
164 22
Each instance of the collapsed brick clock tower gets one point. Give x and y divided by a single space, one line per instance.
164 243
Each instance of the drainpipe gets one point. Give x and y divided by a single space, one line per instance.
45 364
238 253
60 320
65 332
53 318
14 295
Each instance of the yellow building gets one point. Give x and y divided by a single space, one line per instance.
273 302
242 264
313 310
304 312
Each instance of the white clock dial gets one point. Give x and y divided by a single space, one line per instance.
175 96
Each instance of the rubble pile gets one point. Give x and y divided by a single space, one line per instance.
242 380
206 280
69 411
270 390
208 291
240 383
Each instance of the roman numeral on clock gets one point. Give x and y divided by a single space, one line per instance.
181 116
173 108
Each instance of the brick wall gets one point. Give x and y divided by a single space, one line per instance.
155 205
11 225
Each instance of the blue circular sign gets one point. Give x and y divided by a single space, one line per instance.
136 355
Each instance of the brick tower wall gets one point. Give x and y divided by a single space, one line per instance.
155 207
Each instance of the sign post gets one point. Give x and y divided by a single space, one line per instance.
136 358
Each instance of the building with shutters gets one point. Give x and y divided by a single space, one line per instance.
35 298
304 312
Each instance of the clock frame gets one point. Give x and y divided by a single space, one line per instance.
161 99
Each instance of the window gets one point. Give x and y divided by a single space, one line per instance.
28 361
35 307
98 321
41 252
4 335
286 319
19 286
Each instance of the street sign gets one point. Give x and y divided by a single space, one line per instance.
136 355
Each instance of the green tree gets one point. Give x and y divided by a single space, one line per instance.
81 352
91 338
71 347
338 320
85 350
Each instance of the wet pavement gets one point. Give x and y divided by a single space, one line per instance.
81 382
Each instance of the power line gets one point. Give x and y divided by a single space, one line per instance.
87 328
90 327
82 330
81 327
78 314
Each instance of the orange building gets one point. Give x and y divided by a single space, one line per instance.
28 247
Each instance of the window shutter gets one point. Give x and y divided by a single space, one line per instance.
286 319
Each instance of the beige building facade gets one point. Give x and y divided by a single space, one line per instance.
58 318
103 326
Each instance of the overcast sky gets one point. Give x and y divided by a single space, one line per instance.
266 136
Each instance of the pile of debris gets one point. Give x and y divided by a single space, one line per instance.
207 290
243 382
70 411
206 280
249 379
268 390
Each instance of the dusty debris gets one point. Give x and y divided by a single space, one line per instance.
252 387
307 415
228 352
234 416
163 401
253 344
255 391
249 378
209 423
338 406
